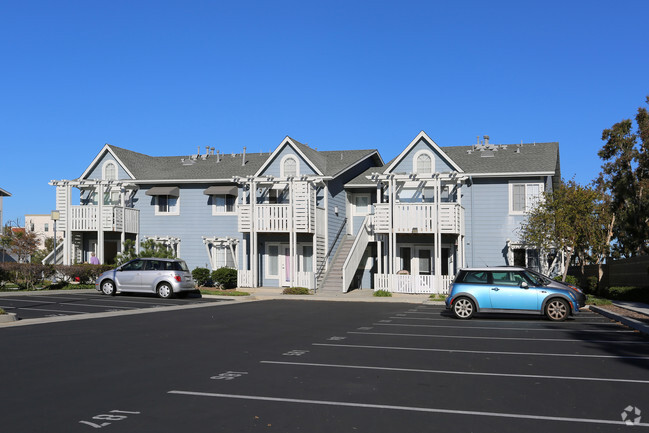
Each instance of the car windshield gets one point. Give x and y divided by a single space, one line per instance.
537 279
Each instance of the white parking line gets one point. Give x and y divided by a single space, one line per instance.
500 329
484 352
55 311
604 322
462 373
98 306
404 408
469 337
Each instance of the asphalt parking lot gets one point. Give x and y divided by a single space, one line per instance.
293 366
41 305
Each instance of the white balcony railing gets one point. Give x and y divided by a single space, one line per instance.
277 218
418 217
113 218
412 283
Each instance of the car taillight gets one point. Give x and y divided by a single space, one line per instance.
178 278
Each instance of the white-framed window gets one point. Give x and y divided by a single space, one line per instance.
306 263
109 171
289 166
272 261
423 162
361 204
167 205
47 227
111 198
523 196
222 257
223 204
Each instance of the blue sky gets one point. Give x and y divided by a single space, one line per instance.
163 77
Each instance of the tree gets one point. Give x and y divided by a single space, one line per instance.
625 176
48 247
565 219
19 242
149 248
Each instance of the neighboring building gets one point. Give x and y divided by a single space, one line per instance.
334 220
3 193
42 225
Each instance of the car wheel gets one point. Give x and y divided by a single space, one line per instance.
463 308
165 291
557 310
108 288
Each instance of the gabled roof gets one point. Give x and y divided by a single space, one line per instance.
310 156
106 149
431 143
4 193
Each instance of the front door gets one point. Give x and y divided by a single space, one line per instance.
285 266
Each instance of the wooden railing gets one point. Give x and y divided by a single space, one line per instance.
418 217
356 253
304 279
244 278
277 218
113 218
412 283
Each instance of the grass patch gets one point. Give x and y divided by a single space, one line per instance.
382 294
56 286
296 291
219 292
2 311
594 300
438 297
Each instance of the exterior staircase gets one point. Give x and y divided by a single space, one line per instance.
333 279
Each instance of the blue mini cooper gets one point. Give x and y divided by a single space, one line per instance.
508 290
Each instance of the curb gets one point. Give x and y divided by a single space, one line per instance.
9 317
631 323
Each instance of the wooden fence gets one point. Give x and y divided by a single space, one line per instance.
633 271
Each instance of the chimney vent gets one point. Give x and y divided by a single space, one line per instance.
486 140
243 160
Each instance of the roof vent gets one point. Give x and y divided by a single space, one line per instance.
487 154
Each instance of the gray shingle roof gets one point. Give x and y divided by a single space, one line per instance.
4 193
511 158
145 167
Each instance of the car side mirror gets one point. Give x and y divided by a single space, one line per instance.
524 285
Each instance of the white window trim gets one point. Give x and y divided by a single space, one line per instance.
297 165
541 186
214 208
355 211
432 161
105 166
267 256
157 211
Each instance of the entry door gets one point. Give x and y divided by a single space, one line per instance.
424 261
285 265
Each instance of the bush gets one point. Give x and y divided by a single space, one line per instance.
382 294
296 291
201 276
570 279
83 273
226 278
591 284
26 275
627 293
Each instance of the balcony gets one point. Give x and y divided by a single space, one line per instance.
113 218
419 218
278 218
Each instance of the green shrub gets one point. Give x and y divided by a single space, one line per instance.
570 279
226 278
296 291
82 273
26 275
591 284
382 294
2 311
627 293
201 276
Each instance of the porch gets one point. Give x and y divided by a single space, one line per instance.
397 283
112 218
279 218
419 217
245 279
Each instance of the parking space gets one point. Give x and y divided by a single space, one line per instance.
37 305
294 366
487 374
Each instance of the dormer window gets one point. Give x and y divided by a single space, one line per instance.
110 171
289 166
423 162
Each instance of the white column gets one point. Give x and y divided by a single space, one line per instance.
100 224
438 236
253 236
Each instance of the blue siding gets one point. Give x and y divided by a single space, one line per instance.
406 164
96 172
274 168
488 223
194 221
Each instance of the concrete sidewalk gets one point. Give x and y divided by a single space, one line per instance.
359 295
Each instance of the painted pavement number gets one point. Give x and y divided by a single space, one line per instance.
113 415
229 375
295 352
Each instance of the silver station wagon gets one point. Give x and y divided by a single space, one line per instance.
165 277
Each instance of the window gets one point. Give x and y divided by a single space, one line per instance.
135 265
361 204
222 257
423 162
111 198
507 278
476 277
110 171
47 227
272 261
223 204
289 166
524 196
167 205
307 258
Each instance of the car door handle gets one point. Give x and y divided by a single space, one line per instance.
495 289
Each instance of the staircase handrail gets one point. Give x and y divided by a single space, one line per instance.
362 237
326 257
